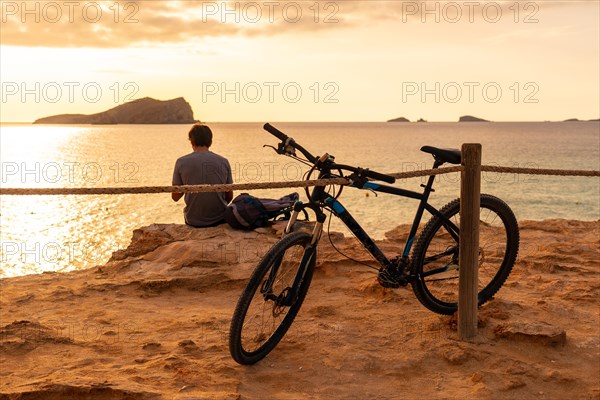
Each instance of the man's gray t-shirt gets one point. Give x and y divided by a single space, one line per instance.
198 168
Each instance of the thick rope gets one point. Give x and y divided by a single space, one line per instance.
176 189
278 185
207 188
539 171
427 172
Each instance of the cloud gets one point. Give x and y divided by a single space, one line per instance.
131 23
122 23
100 24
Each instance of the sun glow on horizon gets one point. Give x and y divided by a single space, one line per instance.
357 62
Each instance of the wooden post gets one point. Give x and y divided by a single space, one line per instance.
470 187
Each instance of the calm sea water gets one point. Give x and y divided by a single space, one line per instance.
61 233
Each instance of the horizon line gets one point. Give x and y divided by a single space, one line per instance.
336 122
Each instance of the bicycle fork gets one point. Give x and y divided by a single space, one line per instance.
290 294
317 230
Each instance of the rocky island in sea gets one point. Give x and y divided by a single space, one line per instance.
470 118
140 111
400 119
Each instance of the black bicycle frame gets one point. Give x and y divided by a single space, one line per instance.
320 196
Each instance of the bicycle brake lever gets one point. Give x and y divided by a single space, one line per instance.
357 180
288 146
285 148
372 191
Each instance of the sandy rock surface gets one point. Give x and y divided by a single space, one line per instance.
153 324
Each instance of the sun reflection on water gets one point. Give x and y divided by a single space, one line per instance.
53 231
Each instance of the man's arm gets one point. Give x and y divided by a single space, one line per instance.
176 181
229 195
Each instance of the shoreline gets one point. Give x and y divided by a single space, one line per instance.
153 323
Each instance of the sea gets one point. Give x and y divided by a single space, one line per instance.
58 233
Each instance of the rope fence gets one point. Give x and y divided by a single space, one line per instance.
280 185
540 171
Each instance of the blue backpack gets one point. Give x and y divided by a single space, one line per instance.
248 212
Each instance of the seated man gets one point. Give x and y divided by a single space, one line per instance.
202 166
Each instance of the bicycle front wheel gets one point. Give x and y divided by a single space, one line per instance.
435 256
272 298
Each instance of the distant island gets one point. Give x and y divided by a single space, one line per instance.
465 118
400 119
470 118
140 111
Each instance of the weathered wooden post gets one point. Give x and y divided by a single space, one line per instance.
470 187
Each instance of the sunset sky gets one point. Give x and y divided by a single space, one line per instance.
304 61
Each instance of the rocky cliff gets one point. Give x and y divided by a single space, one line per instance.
153 323
141 111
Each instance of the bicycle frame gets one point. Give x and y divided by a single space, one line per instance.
320 199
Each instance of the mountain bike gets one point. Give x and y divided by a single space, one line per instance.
279 284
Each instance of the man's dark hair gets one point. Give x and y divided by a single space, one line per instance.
200 135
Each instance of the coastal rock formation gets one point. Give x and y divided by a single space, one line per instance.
153 322
540 332
400 119
470 118
141 111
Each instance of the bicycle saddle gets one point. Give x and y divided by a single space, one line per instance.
451 156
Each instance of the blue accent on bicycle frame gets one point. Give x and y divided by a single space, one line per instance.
337 207
408 246
371 185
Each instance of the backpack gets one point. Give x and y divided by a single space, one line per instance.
248 212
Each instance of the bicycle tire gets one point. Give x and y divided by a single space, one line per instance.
498 249
241 332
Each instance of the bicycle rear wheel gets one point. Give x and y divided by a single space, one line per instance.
435 256
267 307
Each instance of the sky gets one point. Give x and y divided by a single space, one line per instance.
304 60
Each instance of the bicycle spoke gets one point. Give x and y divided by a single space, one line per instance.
271 299
447 268
435 257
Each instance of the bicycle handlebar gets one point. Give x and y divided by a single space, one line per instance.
377 176
288 141
275 132
380 177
